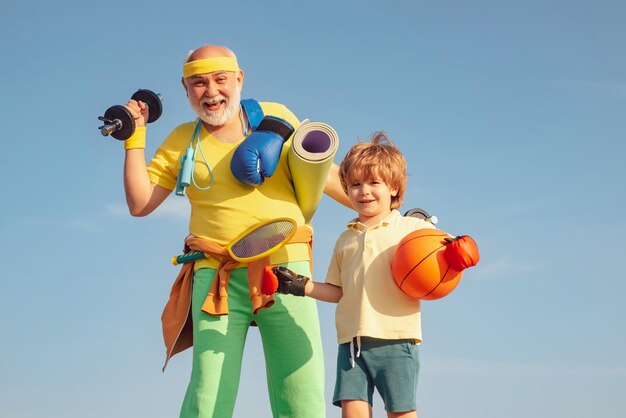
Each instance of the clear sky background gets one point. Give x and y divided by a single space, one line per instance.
511 115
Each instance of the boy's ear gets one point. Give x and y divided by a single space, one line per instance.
394 193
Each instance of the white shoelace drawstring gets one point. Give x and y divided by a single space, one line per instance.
358 347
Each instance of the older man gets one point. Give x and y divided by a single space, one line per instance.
222 208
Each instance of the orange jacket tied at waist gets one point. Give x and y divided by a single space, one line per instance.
176 318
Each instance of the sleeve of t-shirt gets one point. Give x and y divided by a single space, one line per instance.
333 276
280 111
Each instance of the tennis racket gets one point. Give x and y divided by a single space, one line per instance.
258 241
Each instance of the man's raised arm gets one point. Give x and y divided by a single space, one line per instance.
142 196
333 187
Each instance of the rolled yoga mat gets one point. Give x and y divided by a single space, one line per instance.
310 157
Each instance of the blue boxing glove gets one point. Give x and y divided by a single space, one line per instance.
257 156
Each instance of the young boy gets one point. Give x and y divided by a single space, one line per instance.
378 326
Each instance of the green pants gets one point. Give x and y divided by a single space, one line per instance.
291 343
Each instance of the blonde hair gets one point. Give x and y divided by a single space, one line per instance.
380 158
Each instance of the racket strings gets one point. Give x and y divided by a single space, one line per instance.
263 239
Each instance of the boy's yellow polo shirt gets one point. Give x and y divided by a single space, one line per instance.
372 304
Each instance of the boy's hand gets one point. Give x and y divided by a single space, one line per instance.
290 282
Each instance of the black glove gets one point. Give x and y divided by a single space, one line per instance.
290 282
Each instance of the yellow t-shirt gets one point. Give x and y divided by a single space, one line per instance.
228 207
372 304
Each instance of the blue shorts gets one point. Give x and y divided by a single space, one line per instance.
390 366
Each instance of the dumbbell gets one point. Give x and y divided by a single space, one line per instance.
119 122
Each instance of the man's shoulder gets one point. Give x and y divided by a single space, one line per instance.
275 109
179 137
186 125
279 110
269 106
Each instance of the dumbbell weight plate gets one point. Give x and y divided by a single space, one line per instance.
417 213
153 101
124 116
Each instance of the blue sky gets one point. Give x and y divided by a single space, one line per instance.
510 114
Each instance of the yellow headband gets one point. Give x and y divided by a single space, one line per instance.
210 65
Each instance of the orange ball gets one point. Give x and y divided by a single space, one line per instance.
420 266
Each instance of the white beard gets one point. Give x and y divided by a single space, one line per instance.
219 117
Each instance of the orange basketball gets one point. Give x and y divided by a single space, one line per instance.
421 265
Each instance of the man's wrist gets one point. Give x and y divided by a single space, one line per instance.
137 140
